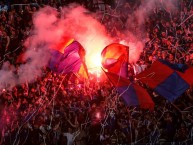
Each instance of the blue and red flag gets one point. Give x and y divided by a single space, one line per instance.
55 57
131 93
183 70
175 66
187 75
115 59
164 80
70 59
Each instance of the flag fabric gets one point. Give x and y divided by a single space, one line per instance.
131 93
63 44
115 59
164 80
71 60
187 75
183 70
177 66
55 57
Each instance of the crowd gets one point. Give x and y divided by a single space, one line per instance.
55 110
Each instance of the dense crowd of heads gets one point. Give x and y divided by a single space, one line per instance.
55 109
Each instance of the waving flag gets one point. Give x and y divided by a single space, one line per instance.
187 75
132 94
164 80
183 70
176 66
71 59
55 57
115 59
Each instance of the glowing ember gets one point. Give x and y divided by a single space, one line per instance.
98 115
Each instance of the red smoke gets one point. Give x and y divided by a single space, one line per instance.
75 22
78 23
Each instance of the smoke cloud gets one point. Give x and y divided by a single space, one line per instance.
50 28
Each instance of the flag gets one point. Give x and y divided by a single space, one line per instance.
55 57
63 44
183 70
71 60
115 59
164 80
175 66
131 93
187 75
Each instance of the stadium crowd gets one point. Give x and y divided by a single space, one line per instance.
54 111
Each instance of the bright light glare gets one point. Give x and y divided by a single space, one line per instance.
94 61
